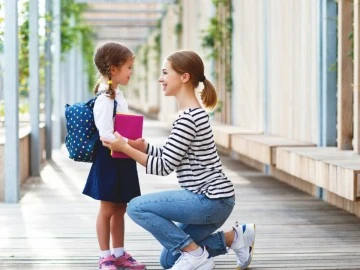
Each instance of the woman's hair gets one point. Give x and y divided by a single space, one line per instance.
108 55
191 63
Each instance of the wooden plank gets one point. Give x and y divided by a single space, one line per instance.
223 133
262 147
356 116
326 167
345 76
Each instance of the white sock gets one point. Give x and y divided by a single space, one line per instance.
197 253
118 251
105 253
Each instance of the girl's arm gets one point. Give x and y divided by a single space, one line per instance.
103 116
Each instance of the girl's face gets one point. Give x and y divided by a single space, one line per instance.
121 75
169 79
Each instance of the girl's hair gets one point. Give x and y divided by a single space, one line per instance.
190 62
108 55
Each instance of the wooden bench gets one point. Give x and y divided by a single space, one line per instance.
223 134
262 147
337 171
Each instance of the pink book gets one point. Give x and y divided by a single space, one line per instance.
129 126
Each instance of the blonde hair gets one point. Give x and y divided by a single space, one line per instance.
107 55
190 62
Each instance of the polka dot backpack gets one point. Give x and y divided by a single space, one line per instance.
82 133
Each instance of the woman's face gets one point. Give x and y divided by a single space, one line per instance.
121 75
169 79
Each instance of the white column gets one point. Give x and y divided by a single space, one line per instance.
34 86
48 84
11 73
57 74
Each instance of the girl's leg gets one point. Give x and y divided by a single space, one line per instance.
156 213
117 226
123 259
106 211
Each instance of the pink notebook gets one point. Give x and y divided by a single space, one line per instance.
129 126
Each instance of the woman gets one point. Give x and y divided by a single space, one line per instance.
207 197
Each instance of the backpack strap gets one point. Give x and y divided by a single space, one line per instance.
115 105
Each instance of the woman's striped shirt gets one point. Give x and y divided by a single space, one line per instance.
191 151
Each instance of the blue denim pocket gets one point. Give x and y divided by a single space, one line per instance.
229 201
218 210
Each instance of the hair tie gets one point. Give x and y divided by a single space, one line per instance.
203 79
109 81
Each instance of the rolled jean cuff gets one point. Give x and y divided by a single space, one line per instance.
184 243
222 242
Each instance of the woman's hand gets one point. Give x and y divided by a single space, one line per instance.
116 145
139 144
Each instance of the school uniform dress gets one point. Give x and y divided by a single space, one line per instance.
110 179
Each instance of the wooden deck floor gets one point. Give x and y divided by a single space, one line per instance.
53 227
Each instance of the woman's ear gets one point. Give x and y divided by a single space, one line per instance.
185 77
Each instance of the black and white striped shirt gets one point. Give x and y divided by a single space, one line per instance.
191 151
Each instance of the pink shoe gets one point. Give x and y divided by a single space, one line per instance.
127 262
107 263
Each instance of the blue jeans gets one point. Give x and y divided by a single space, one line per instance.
197 218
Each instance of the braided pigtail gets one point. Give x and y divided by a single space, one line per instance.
96 88
111 91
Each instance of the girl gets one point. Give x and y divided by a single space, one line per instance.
112 181
207 197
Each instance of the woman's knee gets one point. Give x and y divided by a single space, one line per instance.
134 207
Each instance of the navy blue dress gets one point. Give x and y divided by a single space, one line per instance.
112 179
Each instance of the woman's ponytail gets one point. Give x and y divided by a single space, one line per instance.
208 95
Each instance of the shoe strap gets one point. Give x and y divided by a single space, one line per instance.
110 260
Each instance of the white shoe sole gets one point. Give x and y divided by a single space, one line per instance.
250 235
209 264
250 241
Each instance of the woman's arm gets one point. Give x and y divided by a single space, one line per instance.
120 145
174 150
139 144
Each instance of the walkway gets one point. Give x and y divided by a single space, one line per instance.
53 227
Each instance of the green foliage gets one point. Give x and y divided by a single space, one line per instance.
351 52
2 110
218 37
74 32
178 29
23 109
213 37
70 20
157 41
88 52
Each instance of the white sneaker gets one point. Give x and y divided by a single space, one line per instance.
188 262
243 246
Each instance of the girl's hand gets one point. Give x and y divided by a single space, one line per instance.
116 145
139 144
